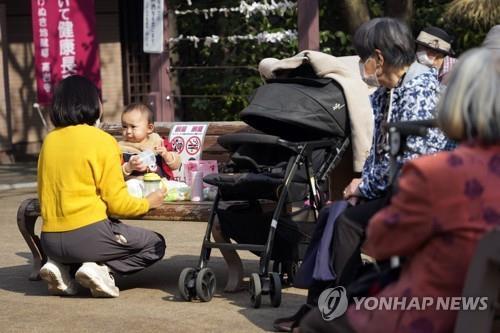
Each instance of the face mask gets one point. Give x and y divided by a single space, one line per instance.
424 59
369 79
98 123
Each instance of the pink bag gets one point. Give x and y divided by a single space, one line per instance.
205 166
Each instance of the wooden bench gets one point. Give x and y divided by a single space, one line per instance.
29 210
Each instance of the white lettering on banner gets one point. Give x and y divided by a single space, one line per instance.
66 40
65 29
64 13
44 46
63 3
68 66
66 47
46 76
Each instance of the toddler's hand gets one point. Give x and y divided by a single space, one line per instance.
155 198
160 150
135 163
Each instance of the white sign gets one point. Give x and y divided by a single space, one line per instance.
153 26
187 140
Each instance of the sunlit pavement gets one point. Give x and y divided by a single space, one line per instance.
148 300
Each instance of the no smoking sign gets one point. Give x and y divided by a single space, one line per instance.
193 145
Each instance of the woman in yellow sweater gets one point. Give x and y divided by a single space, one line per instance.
80 185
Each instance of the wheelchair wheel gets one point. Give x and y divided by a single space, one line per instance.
186 283
255 290
275 289
205 284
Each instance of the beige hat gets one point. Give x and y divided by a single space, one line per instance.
435 39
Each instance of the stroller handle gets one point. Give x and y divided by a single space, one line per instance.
416 127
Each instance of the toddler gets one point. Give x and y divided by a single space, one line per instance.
138 136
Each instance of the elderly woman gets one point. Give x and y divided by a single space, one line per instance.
406 90
444 205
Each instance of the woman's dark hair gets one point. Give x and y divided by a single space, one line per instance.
392 37
76 101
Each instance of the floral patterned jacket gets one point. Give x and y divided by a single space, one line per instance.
414 99
444 206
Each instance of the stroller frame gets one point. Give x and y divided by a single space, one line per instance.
200 282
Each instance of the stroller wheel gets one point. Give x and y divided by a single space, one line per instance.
205 284
275 289
186 283
255 290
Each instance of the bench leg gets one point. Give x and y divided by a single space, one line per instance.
26 223
233 261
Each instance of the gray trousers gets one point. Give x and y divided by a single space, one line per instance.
123 248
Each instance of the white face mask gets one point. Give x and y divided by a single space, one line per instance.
369 79
98 123
424 59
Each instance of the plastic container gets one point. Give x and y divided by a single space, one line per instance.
151 183
148 158
197 186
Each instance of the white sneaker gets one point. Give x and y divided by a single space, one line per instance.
58 278
98 279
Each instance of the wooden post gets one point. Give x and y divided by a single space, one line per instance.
308 17
160 92
5 147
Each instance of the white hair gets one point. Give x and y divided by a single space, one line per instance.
469 109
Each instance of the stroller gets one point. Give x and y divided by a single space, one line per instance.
305 131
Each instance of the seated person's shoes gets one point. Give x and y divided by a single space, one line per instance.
98 279
58 278
287 324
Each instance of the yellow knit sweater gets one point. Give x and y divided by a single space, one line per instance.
80 180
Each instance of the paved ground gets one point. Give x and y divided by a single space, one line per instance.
148 301
17 176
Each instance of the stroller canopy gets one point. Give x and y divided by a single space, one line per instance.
298 109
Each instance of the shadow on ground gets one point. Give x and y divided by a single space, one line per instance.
162 276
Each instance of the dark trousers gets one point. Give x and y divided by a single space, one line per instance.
348 236
345 250
125 249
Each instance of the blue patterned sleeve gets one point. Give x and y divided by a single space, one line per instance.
374 175
419 103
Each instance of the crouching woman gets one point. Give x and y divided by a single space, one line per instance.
80 184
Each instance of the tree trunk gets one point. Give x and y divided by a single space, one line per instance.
400 9
355 13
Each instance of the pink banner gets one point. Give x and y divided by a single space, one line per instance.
65 44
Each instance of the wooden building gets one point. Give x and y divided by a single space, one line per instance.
128 74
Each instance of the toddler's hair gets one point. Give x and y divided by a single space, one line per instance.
143 108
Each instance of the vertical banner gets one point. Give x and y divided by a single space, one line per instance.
153 26
65 43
